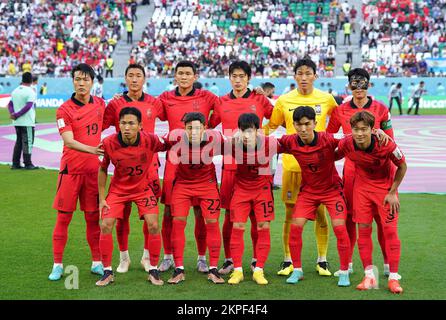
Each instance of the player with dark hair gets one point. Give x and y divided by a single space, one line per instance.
340 118
321 184
131 151
79 121
239 101
252 194
192 150
176 103
375 194
150 108
323 104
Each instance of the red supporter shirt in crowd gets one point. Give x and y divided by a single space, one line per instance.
132 162
176 106
85 121
317 160
195 164
150 108
253 166
229 110
374 169
341 115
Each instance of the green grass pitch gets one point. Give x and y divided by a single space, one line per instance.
27 221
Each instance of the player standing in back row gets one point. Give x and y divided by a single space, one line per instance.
79 121
323 104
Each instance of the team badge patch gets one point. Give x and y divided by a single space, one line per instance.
318 109
60 123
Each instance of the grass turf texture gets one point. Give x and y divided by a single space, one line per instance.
46 115
27 220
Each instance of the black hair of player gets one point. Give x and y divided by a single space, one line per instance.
268 85
194 116
130 110
85 69
243 65
35 78
135 66
358 72
248 121
304 112
305 62
27 78
186 64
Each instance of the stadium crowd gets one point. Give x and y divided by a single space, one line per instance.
50 37
397 36
270 36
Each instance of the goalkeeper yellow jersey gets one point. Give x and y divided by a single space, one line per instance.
322 102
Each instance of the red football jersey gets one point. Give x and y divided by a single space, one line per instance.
374 169
132 162
229 109
194 162
176 106
150 107
316 159
341 115
85 121
253 166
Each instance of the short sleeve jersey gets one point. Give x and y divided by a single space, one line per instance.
85 121
323 104
341 115
176 106
20 97
317 160
374 169
131 162
229 110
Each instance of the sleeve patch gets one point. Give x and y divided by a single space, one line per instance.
60 123
385 125
397 153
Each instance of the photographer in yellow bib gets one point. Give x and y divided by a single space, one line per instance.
323 103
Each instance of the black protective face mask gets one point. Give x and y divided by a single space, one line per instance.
359 82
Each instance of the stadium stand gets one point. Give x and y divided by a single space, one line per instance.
64 33
397 36
271 36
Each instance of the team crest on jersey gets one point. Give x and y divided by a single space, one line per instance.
143 158
253 108
195 106
318 109
149 113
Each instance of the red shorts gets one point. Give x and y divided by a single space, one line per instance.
154 182
168 182
146 203
226 188
307 204
367 204
348 178
245 201
204 195
70 187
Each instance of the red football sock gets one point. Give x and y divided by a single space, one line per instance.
200 235
351 230
178 241
93 233
393 248
154 247
123 229
213 239
60 235
237 246
166 232
382 240
227 229
263 247
295 244
254 234
365 246
343 245
106 245
145 231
